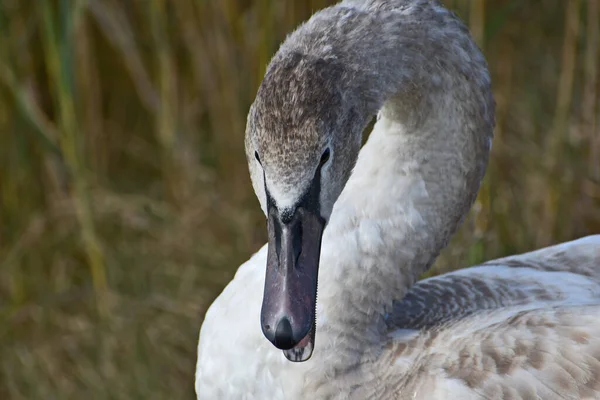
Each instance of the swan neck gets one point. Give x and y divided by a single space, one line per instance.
416 177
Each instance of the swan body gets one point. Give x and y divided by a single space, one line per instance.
374 219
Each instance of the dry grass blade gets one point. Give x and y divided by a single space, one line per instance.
557 141
591 91
59 63
115 27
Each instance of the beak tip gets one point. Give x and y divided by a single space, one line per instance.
284 337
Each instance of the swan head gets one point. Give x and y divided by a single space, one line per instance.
302 140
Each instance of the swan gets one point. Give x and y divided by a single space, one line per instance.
366 223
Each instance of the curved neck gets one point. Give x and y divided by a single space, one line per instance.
418 174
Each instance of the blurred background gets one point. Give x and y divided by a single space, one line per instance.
125 202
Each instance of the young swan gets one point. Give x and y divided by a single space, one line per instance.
365 226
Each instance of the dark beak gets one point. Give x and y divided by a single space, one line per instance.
290 298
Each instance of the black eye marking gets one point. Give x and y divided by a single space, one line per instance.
324 157
257 157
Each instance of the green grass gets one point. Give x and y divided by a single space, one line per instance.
125 204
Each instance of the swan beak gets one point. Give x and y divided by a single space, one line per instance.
290 298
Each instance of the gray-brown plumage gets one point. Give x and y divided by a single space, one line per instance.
523 327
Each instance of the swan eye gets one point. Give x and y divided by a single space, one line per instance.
324 157
257 157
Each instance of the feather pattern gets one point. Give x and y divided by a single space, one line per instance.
495 331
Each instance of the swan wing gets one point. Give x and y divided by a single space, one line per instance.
580 256
548 354
568 273
523 327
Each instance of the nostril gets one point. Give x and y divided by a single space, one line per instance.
268 332
297 243
283 335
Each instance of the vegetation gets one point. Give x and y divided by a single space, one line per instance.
125 203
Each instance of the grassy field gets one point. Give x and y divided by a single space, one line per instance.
125 203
